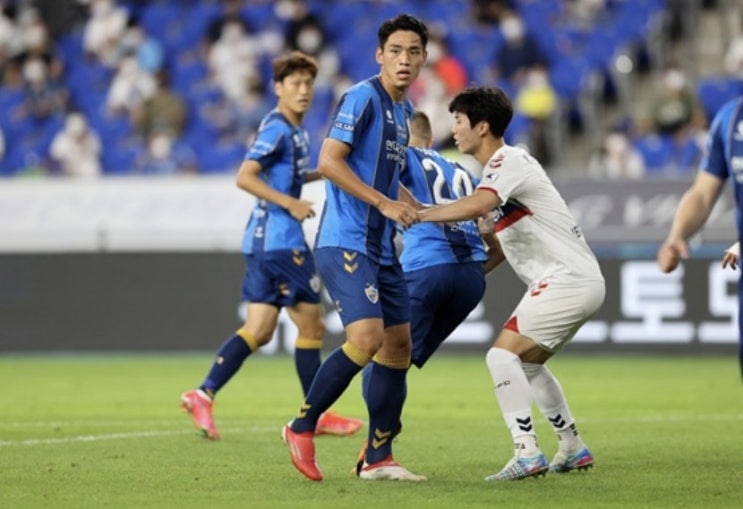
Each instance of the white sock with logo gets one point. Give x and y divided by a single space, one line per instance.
514 397
550 399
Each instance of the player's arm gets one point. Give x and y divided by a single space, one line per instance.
486 228
693 211
473 206
312 176
731 256
249 180
406 196
333 166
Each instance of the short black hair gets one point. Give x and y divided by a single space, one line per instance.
285 65
490 104
404 22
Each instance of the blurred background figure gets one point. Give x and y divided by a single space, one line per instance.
164 111
617 159
164 155
76 149
104 30
537 101
519 53
130 88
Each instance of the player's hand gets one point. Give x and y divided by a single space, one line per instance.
670 255
301 210
731 259
400 212
486 224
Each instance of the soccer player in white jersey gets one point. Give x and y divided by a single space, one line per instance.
546 249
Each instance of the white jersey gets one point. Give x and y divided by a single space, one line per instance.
537 232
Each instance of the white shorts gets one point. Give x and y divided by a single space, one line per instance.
552 311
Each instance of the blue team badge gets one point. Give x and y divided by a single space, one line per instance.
371 293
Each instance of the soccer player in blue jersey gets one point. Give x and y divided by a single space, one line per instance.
723 159
444 265
361 159
280 270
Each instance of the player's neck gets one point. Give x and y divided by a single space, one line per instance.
293 117
489 147
395 93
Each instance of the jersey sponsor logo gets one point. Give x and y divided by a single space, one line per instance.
343 126
372 293
490 178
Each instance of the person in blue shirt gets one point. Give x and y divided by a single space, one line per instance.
444 264
361 159
280 270
722 159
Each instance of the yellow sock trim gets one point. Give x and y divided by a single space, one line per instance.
396 363
308 344
356 355
249 339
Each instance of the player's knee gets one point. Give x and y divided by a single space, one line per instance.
314 330
500 357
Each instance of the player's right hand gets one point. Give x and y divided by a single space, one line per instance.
399 211
670 255
301 210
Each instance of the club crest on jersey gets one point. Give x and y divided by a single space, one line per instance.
390 120
315 283
372 293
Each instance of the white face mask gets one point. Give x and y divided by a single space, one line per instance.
512 28
75 125
309 40
160 146
674 80
34 71
34 37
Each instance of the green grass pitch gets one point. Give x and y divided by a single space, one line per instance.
95 431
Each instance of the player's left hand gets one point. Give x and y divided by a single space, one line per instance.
399 211
301 210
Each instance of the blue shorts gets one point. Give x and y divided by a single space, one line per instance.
281 278
441 298
363 289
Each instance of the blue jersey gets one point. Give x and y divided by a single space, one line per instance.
283 151
376 128
723 155
432 179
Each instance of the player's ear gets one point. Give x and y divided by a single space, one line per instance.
378 54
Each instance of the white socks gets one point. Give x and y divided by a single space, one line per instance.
514 396
550 399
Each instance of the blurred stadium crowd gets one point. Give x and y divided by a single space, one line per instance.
104 87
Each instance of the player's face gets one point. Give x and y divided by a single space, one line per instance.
466 138
401 59
295 92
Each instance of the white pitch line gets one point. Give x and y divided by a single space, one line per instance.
117 436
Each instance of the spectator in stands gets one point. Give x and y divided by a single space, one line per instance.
675 109
104 30
76 149
148 50
10 41
617 158
130 88
45 97
443 76
164 111
164 155
305 32
537 101
233 59
519 53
